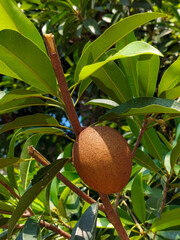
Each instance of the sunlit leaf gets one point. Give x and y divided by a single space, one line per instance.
86 226
49 172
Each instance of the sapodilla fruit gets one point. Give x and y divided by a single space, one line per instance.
102 159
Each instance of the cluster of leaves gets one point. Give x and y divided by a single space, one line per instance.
126 71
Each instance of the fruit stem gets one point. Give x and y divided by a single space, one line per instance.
56 63
42 160
113 217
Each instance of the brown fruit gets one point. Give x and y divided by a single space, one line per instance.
102 159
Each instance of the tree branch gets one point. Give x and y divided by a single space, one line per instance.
42 160
56 63
113 217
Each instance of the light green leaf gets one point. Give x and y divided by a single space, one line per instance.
5 70
38 119
6 206
137 196
132 49
47 174
106 103
171 93
6 162
11 17
128 65
142 106
86 226
24 166
168 219
112 35
175 154
32 65
148 69
171 77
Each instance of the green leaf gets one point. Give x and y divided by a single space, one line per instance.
137 196
6 207
31 229
6 162
175 154
32 65
5 70
168 219
24 166
86 226
21 98
112 35
144 160
92 26
148 68
38 119
142 106
111 80
106 103
152 144
170 78
12 18
44 130
128 65
49 172
132 49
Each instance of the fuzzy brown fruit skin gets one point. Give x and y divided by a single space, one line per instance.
102 159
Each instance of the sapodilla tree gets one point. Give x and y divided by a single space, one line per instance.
100 154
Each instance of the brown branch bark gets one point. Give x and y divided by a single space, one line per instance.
56 63
42 160
143 129
10 190
113 217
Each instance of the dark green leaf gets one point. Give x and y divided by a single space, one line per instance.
92 26
49 172
32 65
111 80
144 160
31 229
142 106
148 68
38 119
86 226
137 196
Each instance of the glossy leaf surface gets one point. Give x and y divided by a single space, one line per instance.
40 181
168 219
137 196
132 49
142 106
12 17
112 35
25 59
86 226
38 119
171 78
